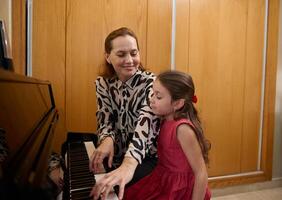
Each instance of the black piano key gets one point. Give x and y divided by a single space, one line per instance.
80 179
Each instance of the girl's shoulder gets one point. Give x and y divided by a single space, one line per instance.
176 124
185 127
183 121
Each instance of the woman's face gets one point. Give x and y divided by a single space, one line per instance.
124 57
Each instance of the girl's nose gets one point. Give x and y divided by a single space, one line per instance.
151 101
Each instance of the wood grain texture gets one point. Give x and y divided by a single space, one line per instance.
217 45
253 78
182 34
221 44
48 59
88 25
159 35
270 87
19 36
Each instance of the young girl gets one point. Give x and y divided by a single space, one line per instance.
182 148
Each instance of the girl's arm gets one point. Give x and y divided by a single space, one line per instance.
190 145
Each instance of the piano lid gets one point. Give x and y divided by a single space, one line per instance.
27 118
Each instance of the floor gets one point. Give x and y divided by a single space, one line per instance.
270 190
266 194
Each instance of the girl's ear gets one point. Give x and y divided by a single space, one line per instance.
178 104
107 57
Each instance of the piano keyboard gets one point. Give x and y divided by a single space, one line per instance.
80 180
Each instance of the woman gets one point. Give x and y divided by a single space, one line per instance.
127 128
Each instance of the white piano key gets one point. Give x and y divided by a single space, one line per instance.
89 145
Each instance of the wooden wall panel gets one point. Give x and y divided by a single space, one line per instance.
253 85
270 89
223 50
84 40
19 36
159 35
216 61
87 26
48 57
182 35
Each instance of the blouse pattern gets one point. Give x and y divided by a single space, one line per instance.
124 115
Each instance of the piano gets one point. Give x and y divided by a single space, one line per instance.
28 117
77 178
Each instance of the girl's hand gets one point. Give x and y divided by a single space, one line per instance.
105 149
120 177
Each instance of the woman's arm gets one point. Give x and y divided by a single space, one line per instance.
147 128
104 111
192 150
120 176
104 127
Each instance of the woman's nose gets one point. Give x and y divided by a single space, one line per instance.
129 59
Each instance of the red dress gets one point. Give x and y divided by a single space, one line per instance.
173 178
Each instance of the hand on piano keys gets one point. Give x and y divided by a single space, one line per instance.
90 149
80 179
105 149
118 177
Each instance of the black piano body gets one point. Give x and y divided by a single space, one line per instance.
28 117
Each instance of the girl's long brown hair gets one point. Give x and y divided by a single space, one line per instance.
181 86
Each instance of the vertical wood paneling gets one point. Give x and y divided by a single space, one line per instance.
84 40
18 35
216 61
88 25
49 54
159 35
182 35
270 80
253 85
224 42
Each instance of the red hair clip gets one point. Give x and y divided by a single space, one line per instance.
194 99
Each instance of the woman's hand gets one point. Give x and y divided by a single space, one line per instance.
120 177
105 149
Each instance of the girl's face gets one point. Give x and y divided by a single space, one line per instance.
161 102
124 57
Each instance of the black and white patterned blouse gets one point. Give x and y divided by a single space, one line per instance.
124 115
